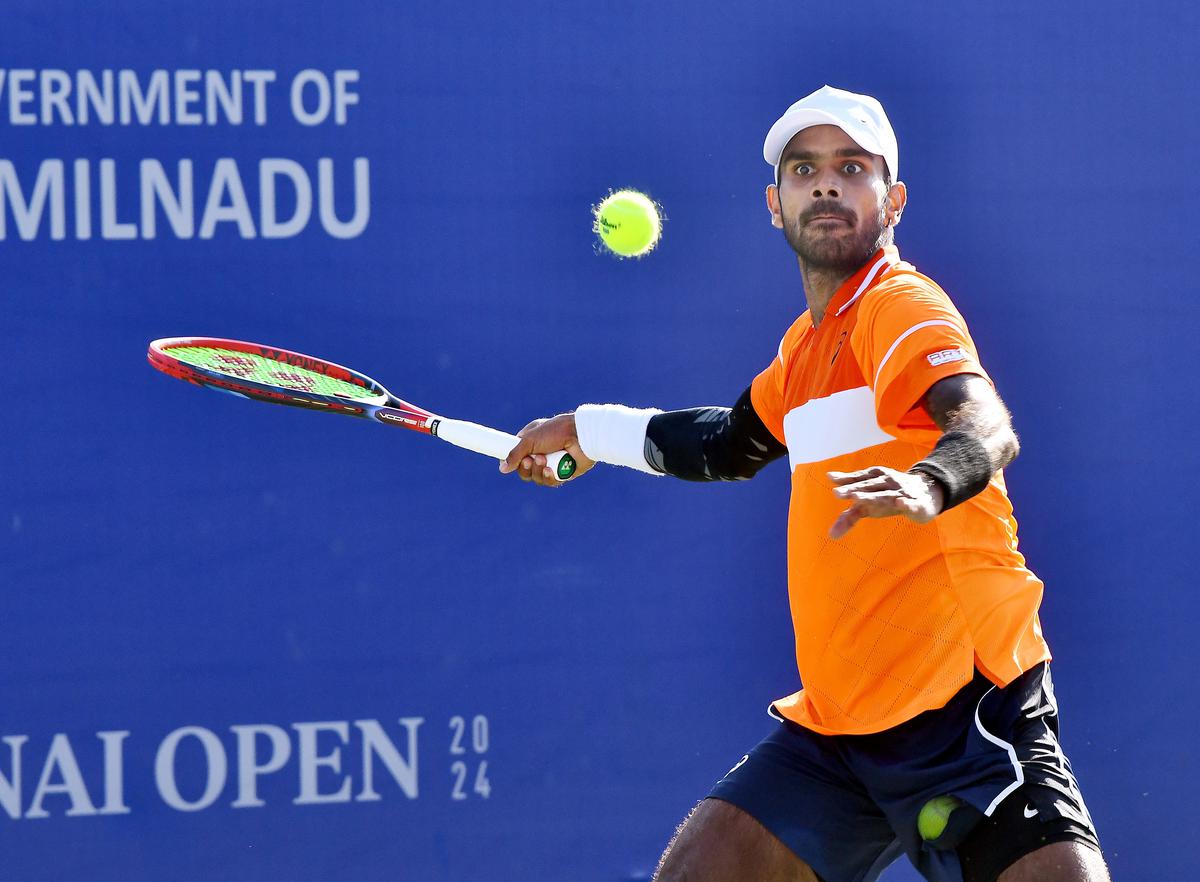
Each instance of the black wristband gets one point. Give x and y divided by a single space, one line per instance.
961 464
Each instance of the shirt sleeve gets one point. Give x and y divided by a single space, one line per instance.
766 392
909 336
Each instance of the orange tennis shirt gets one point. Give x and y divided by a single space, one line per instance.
891 619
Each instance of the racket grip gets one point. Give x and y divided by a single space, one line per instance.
496 444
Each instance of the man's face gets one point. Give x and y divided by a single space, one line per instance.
832 201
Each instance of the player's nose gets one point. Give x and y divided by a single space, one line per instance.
826 186
828 190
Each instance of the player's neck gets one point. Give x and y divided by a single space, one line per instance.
819 287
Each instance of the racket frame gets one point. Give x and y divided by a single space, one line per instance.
384 407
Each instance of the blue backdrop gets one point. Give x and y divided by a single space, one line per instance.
243 642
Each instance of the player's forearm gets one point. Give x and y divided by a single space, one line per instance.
977 441
694 444
970 406
990 425
699 444
711 443
999 440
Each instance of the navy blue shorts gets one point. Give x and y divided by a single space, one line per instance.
848 804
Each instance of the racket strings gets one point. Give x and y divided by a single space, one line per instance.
269 372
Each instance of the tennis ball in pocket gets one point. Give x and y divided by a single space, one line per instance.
931 822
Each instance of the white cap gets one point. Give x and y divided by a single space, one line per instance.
859 116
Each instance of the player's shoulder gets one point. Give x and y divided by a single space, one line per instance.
902 289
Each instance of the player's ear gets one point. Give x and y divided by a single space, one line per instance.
897 198
773 206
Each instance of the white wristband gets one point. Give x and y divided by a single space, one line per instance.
615 434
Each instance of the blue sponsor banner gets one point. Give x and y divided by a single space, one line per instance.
244 642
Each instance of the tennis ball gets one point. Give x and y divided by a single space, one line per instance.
628 223
931 822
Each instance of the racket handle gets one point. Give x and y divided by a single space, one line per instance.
496 444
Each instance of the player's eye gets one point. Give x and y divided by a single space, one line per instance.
803 169
853 168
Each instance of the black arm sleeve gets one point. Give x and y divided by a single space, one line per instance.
711 443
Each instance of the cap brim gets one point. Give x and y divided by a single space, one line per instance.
790 124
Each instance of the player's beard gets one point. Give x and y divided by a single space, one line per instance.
825 251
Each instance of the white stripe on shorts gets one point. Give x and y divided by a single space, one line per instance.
1012 755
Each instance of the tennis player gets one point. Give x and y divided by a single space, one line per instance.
926 677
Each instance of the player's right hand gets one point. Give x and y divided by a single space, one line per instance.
540 437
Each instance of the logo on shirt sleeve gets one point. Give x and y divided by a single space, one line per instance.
946 356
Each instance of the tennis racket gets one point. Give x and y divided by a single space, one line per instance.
277 376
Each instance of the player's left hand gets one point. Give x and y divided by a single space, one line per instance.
880 492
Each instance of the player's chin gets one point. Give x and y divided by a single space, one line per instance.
832 248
